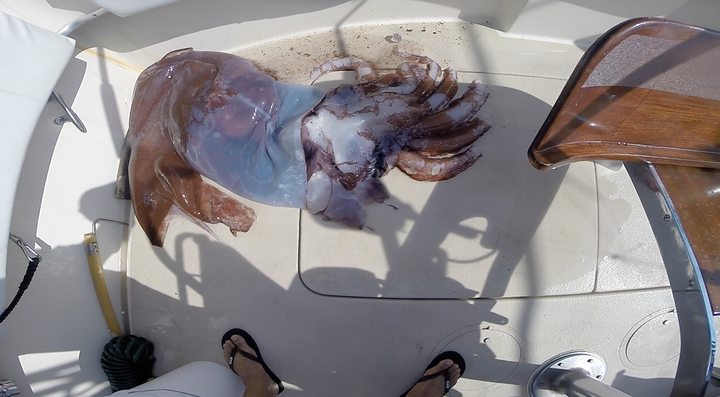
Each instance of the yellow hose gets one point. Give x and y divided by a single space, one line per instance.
96 272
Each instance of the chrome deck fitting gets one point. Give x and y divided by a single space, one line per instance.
572 373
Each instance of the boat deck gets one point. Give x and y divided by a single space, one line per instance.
505 264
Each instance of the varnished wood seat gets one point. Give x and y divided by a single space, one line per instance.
649 90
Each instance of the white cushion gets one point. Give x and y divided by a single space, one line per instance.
31 64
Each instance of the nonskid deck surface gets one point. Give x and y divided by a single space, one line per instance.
505 264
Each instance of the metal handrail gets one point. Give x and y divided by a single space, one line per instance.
695 317
573 374
578 383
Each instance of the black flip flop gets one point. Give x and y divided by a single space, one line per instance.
454 356
251 342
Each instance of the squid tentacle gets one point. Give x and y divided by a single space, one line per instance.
451 143
364 71
423 168
433 68
430 101
427 87
443 94
458 112
412 75
390 79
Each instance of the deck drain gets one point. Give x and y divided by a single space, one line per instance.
658 333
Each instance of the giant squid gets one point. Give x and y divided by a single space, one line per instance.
214 115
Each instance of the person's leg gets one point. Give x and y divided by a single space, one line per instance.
434 386
257 382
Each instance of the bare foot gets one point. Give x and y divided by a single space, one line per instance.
257 382
435 387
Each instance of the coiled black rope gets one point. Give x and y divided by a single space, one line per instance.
127 361
32 266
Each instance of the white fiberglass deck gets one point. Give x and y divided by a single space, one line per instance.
508 265
319 296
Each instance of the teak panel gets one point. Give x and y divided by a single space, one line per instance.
634 124
678 131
